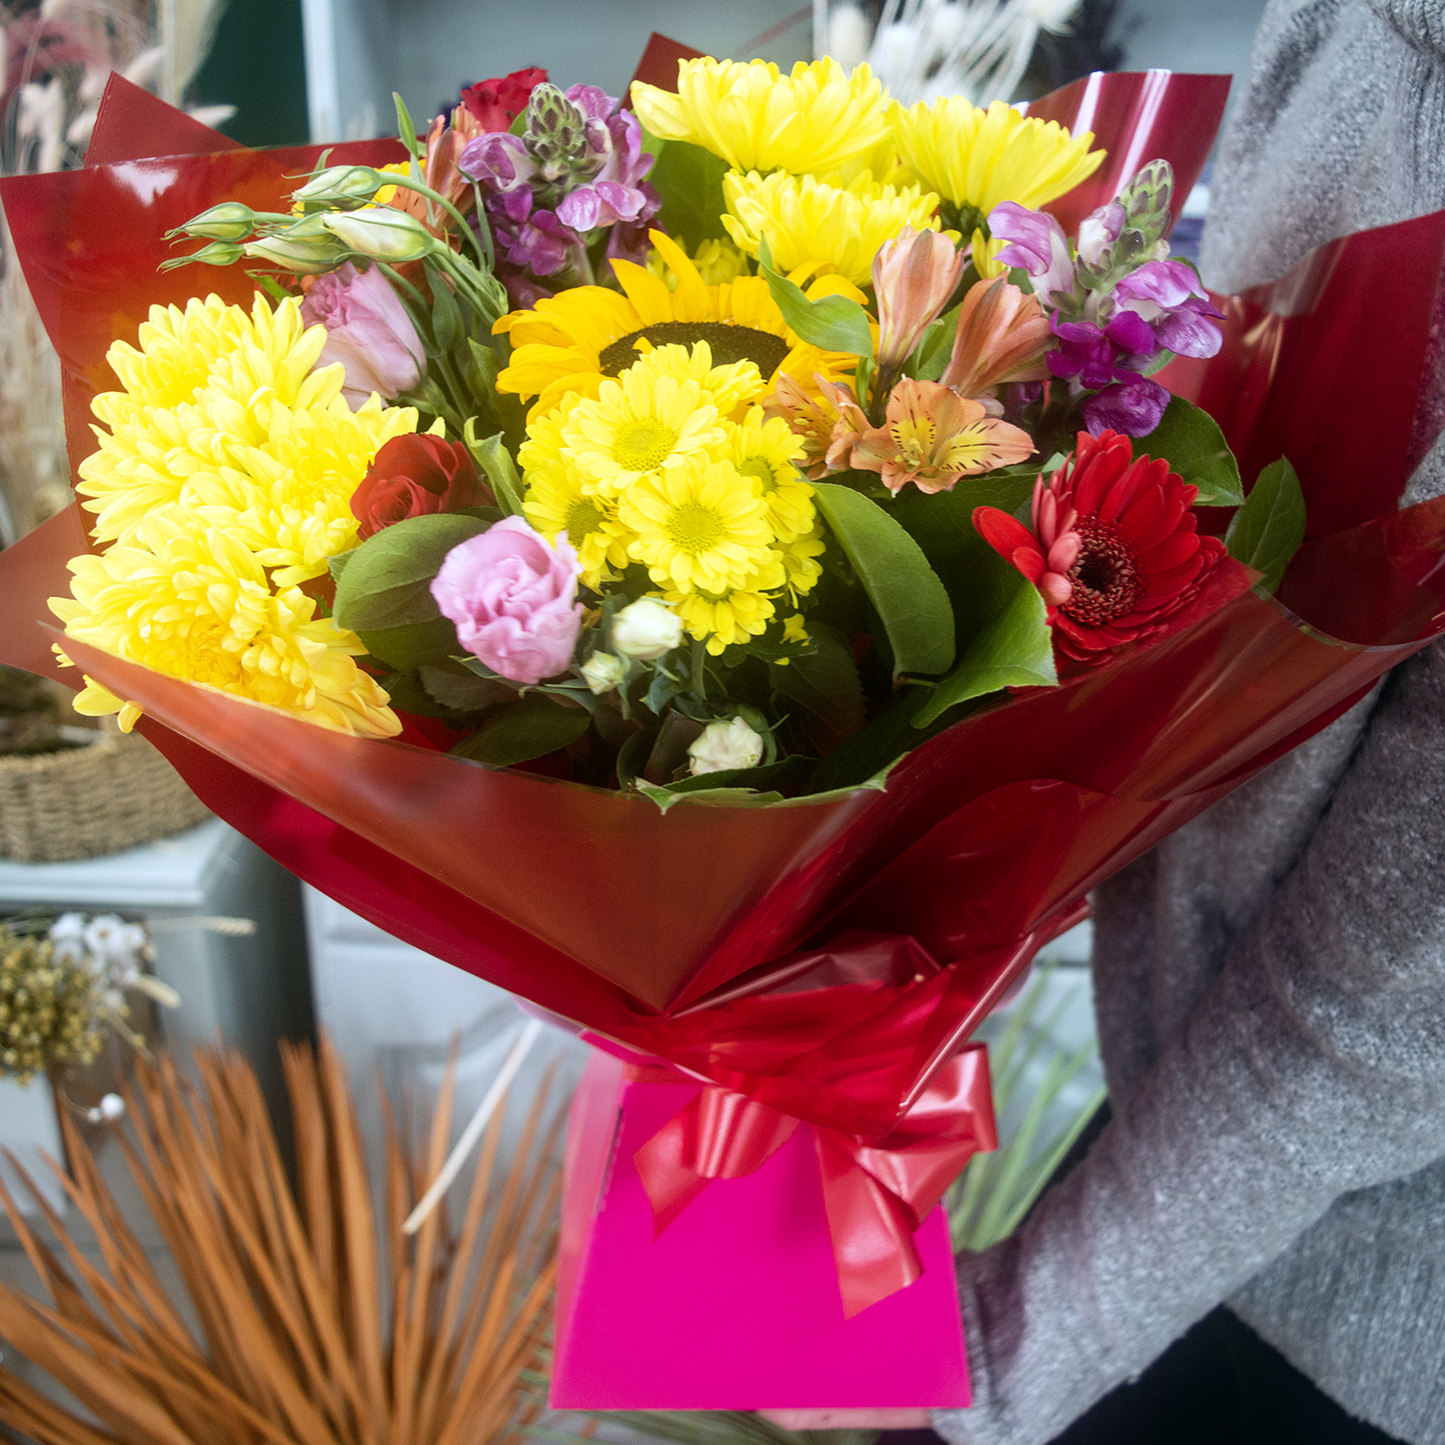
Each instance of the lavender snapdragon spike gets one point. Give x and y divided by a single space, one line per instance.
1119 307
576 169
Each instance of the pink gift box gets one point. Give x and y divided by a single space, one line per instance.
735 1305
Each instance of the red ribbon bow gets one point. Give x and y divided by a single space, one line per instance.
876 1190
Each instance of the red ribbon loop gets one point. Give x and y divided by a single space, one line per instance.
876 1190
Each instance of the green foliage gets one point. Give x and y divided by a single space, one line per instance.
495 461
385 583
412 645
910 600
824 684
1268 529
531 728
1191 442
1015 650
689 181
834 322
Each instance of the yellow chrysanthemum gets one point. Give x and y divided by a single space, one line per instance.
800 561
716 261
819 228
981 158
722 621
698 527
730 388
767 450
640 424
575 340
794 629
555 502
756 118
195 604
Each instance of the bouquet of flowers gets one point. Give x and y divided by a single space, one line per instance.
728 571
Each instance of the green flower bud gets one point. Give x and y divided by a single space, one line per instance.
304 257
381 232
230 221
345 186
218 253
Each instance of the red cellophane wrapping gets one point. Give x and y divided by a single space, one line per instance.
824 957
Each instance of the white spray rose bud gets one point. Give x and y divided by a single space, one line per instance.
604 672
381 232
725 745
645 629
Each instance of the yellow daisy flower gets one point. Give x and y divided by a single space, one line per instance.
555 502
767 450
724 620
730 388
800 561
640 424
577 339
756 118
981 158
195 604
698 527
821 228
794 630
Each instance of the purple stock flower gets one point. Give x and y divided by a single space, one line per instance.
1037 244
1134 407
367 330
1167 296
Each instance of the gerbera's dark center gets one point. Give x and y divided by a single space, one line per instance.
729 344
1106 576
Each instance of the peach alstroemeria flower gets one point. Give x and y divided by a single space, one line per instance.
1003 335
931 437
913 276
829 424
444 144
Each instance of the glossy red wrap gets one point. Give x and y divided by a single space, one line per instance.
824 956
876 1191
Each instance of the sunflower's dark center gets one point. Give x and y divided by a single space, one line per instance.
1106 576
729 344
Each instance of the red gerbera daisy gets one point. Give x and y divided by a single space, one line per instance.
1113 549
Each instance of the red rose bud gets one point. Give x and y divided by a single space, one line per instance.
415 476
497 103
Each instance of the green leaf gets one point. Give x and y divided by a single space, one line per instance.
412 645
1191 442
387 582
460 690
936 348
1268 529
981 585
492 456
833 322
531 728
689 181
406 131
903 588
824 683
734 784
1016 650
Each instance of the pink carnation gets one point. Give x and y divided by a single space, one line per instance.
512 596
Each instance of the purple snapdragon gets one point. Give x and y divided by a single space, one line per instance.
575 171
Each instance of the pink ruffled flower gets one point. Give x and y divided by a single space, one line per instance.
512 595
368 331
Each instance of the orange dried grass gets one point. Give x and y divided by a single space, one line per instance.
312 1332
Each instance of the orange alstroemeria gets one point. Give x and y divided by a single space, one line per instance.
829 424
931 436
913 276
1003 335
444 144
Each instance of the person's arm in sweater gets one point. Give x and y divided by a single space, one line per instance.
1313 1067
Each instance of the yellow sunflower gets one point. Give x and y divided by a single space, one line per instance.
767 450
577 339
698 527
978 158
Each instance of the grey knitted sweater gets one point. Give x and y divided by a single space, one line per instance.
1271 979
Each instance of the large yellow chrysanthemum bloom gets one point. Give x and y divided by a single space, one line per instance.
715 261
814 227
981 158
574 341
756 118
195 604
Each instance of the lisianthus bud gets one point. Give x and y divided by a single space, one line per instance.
338 185
725 745
382 232
299 254
230 221
604 672
646 629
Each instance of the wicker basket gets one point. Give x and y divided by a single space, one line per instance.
84 802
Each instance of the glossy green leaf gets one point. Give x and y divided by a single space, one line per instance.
689 181
1015 650
492 456
734 784
410 646
531 728
386 582
824 685
454 687
833 323
1268 529
1190 440
910 600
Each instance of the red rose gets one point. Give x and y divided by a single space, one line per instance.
497 103
414 476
